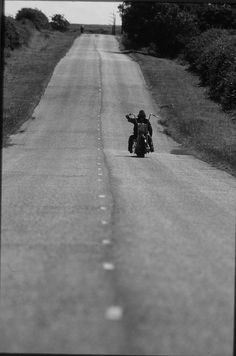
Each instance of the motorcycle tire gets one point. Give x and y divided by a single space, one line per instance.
140 149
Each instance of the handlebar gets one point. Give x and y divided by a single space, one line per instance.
151 114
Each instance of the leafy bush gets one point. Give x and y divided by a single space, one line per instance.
197 45
12 36
59 23
173 29
165 25
128 43
213 56
16 34
219 63
228 99
216 16
36 16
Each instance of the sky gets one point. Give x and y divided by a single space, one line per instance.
80 12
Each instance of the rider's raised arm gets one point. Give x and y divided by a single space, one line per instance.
131 119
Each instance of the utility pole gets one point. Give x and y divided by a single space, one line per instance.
121 10
113 31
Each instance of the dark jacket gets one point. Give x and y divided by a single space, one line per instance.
137 120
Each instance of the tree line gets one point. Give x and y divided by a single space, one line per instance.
202 34
18 30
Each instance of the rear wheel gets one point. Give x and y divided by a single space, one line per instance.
140 148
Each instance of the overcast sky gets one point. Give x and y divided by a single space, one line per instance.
74 11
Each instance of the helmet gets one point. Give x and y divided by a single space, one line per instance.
141 114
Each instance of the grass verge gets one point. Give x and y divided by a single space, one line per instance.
26 74
188 115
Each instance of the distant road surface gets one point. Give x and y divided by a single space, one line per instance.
103 252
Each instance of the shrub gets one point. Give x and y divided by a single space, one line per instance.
215 62
228 99
173 29
216 16
12 36
16 34
59 23
36 16
213 56
165 25
127 42
197 45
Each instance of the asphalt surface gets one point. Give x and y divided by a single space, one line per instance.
103 252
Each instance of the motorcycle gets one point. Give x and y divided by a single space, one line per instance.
141 143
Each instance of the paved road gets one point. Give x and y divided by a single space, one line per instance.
103 252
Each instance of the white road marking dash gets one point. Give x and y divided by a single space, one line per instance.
106 242
114 313
108 266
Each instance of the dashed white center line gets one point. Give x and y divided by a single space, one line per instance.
104 222
103 207
102 196
108 266
114 313
106 242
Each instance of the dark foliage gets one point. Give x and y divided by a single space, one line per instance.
165 25
59 23
173 29
213 56
228 98
37 17
197 45
16 33
217 66
214 16
204 33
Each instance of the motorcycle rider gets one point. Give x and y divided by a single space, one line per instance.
141 118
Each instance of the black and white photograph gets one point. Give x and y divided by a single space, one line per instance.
118 177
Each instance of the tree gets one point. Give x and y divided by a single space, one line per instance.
36 16
174 28
213 15
59 23
165 25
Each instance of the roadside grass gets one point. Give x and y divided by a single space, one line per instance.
27 71
187 114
